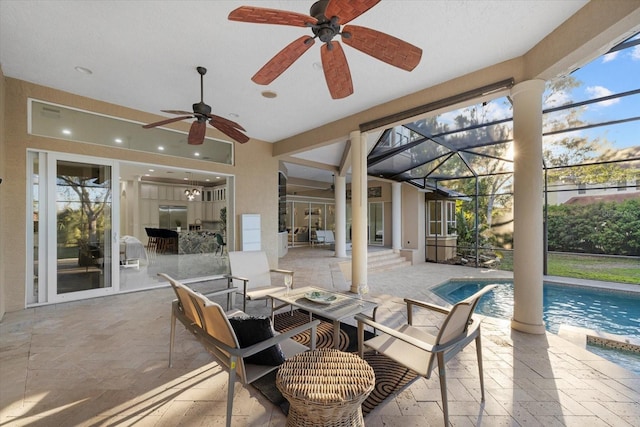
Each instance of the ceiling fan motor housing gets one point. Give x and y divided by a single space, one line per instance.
326 28
201 108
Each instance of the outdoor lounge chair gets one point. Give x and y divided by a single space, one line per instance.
250 272
212 326
416 349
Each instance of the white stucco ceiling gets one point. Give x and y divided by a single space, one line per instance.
143 54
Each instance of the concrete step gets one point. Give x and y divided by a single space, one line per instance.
377 261
387 263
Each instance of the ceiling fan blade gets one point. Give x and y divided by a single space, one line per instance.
384 47
197 132
347 10
167 121
259 15
336 71
177 111
283 60
228 130
227 121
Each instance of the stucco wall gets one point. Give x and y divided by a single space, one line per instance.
255 171
2 201
413 222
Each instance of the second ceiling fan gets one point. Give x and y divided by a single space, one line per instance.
202 114
326 19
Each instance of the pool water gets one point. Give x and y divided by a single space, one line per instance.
602 310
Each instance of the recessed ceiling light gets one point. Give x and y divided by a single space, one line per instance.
66 131
83 70
234 115
196 154
161 148
269 94
147 174
152 170
207 180
217 177
185 178
118 140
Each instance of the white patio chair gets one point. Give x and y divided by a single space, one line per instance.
250 272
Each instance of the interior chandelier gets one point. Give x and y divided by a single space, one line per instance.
191 194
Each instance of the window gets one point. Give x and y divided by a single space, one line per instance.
451 218
441 217
435 217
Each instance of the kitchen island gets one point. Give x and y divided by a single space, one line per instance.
197 242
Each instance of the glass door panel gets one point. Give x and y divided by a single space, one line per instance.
376 224
83 237
317 219
331 217
301 222
290 222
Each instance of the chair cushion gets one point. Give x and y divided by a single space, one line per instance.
252 330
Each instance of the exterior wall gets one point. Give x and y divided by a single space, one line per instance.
255 168
413 223
3 214
444 245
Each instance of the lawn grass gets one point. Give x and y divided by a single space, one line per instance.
604 268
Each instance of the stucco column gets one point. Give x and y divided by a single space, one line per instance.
340 194
527 214
358 210
396 216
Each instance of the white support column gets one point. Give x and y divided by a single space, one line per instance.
358 210
528 205
340 194
396 216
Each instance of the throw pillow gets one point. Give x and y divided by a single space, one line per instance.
252 330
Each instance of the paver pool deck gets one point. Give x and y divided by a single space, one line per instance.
103 362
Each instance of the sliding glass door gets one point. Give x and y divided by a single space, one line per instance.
72 233
376 223
84 229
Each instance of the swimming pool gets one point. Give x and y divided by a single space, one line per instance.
598 309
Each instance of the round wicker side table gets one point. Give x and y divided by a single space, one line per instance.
325 387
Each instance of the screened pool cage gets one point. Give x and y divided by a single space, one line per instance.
463 160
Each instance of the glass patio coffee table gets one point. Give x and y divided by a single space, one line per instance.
335 306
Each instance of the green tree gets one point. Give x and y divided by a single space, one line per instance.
608 228
85 202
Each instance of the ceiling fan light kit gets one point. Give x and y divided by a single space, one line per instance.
202 114
326 18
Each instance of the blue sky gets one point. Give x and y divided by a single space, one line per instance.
611 74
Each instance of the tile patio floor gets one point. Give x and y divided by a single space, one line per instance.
103 362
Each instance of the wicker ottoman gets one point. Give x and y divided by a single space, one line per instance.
325 387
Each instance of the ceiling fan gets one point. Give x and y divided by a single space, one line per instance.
202 114
325 20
